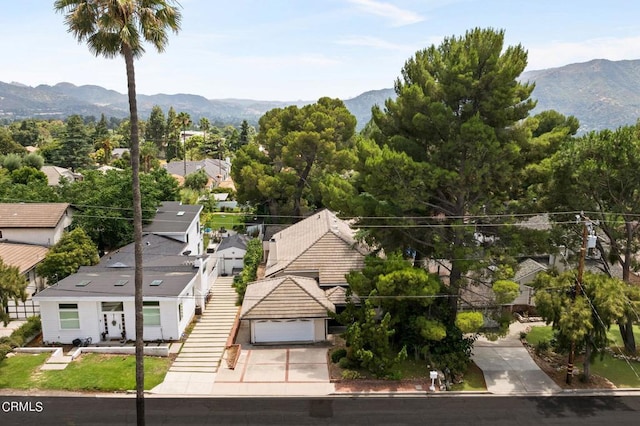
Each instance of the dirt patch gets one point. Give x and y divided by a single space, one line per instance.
555 366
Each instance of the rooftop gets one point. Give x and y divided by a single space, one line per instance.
31 215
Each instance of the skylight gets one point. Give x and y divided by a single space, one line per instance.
82 283
155 283
180 213
120 283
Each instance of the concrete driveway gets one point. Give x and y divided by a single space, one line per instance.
299 371
508 368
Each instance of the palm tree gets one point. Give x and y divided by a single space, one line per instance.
114 28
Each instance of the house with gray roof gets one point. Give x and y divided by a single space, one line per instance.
218 171
98 301
286 309
180 222
230 254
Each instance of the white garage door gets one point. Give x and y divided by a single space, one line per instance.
283 331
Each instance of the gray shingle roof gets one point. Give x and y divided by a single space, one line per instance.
217 170
102 284
173 217
234 241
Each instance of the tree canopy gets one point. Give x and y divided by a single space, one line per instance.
75 249
294 150
12 288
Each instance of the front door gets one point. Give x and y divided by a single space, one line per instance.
114 325
113 318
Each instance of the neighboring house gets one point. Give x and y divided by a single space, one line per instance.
100 305
526 274
218 171
98 301
180 222
25 257
56 174
34 223
321 246
230 254
159 251
286 309
118 152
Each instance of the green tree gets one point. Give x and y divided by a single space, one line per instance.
505 291
156 129
444 150
598 172
26 175
582 313
12 287
172 129
103 139
197 180
75 249
246 133
114 28
184 121
27 133
75 145
12 162
7 144
148 156
33 160
301 147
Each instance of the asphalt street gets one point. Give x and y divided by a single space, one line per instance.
457 410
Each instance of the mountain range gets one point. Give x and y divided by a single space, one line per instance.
600 93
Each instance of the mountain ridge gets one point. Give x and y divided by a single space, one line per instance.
600 93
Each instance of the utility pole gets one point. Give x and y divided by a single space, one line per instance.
586 223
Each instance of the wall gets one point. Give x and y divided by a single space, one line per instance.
89 322
230 258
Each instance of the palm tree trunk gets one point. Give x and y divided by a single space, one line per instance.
137 232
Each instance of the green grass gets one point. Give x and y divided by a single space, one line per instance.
16 372
614 335
618 371
539 333
226 220
473 380
90 372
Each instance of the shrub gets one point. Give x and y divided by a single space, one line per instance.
523 335
542 347
338 354
345 363
350 375
19 336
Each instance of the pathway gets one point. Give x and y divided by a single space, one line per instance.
195 368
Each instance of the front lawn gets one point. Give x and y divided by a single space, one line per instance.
623 374
16 372
90 372
473 380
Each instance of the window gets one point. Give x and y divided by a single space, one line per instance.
180 312
69 317
151 313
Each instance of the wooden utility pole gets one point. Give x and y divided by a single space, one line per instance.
578 291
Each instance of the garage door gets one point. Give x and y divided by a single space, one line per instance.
283 331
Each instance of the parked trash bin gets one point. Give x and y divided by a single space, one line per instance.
198 310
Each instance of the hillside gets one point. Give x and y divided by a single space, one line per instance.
600 93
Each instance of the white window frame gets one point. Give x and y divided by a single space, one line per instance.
69 316
151 314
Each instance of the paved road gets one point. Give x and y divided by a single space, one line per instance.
461 410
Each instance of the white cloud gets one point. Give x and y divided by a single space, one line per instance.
560 53
398 17
375 42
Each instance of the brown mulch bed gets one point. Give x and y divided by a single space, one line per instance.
555 366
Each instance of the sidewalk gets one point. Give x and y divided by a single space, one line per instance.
508 368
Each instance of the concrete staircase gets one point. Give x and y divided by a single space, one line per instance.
203 349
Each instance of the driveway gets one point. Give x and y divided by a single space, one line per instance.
299 371
508 368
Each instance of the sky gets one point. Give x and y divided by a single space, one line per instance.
304 49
